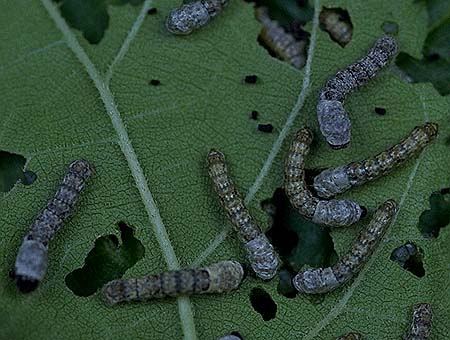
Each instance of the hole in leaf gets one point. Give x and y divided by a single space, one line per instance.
409 257
390 27
90 16
11 171
263 304
237 334
431 221
299 242
380 110
285 286
106 261
337 23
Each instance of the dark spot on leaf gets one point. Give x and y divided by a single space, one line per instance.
265 128
285 286
409 257
11 171
263 304
106 261
380 110
155 82
254 115
152 11
431 221
90 16
445 191
390 27
251 79
337 23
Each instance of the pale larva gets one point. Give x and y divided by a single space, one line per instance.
336 213
337 23
283 44
420 328
323 280
32 258
219 277
351 336
338 180
189 17
260 252
333 118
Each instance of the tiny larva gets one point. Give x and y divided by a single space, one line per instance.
333 118
283 44
323 280
420 328
336 213
351 336
260 252
219 277
189 17
335 181
338 25
32 258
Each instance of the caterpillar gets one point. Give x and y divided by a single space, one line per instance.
333 118
351 336
338 180
283 44
420 328
337 23
189 17
260 252
32 259
323 280
335 213
219 277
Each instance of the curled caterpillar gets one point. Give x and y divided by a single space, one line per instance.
336 213
420 328
219 277
32 259
283 44
351 336
260 252
323 280
337 23
338 180
333 118
189 17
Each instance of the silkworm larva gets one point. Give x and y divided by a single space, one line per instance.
338 25
283 44
260 252
351 336
323 280
219 277
189 17
333 118
336 213
32 259
338 180
420 328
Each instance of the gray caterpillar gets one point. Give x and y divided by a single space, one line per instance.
338 180
333 118
260 252
189 17
279 41
32 258
323 280
420 328
336 213
219 277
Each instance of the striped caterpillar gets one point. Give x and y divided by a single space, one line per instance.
189 17
333 118
323 280
32 259
351 336
260 252
219 277
420 328
283 44
338 180
335 213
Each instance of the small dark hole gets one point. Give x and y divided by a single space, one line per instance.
29 177
445 191
265 128
437 217
155 82
433 57
152 11
251 79
263 303
409 257
285 286
254 115
381 111
236 333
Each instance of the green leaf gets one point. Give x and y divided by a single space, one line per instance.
63 99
